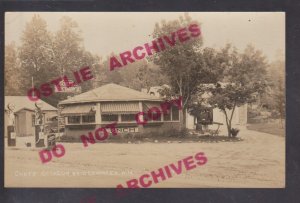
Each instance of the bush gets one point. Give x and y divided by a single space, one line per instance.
234 132
177 133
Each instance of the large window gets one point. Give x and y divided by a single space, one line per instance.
73 119
127 117
172 115
154 117
108 117
167 116
88 119
175 114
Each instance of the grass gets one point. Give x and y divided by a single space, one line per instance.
167 139
271 128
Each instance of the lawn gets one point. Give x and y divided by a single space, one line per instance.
271 128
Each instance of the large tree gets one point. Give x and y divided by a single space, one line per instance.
142 75
184 64
274 99
35 54
46 56
244 78
69 52
12 72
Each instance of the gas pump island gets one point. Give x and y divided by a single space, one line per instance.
44 137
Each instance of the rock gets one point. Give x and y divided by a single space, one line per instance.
179 141
156 141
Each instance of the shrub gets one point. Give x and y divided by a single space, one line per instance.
177 133
234 132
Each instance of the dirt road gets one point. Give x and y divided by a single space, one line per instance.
258 161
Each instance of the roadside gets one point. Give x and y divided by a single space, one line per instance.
274 128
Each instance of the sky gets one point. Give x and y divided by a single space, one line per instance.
107 32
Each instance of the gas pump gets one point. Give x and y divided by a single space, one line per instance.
44 135
50 135
11 139
39 127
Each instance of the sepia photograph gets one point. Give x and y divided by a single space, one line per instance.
144 100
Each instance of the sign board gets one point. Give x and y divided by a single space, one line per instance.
41 135
13 135
64 88
127 130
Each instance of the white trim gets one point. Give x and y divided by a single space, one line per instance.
98 118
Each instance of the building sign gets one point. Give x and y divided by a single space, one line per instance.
41 135
13 135
64 88
127 130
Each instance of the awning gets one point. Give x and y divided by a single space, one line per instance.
120 108
78 109
149 105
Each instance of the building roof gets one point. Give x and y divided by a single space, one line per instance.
110 92
21 102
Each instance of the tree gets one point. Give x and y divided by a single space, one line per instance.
244 78
45 56
107 76
138 75
182 64
67 46
69 53
12 71
142 74
275 99
35 54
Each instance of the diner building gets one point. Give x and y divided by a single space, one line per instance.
114 103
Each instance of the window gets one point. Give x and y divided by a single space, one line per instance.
107 117
175 114
167 116
155 116
128 117
88 119
73 119
172 114
33 120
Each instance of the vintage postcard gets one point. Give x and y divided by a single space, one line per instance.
144 99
